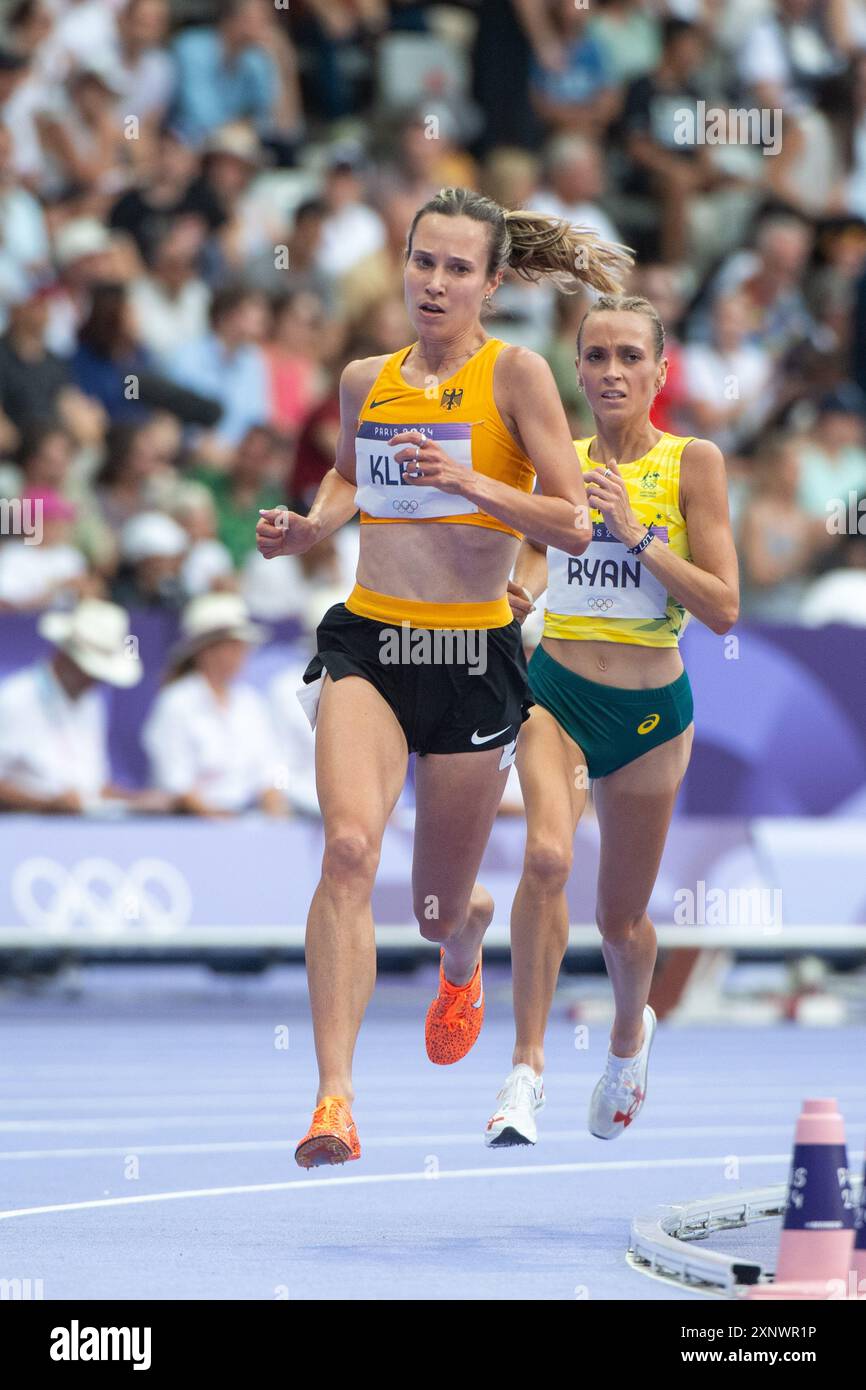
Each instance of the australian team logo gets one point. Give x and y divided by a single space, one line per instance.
649 484
452 397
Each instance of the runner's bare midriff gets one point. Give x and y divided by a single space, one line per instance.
617 663
436 562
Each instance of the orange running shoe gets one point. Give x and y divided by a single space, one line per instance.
331 1138
454 1018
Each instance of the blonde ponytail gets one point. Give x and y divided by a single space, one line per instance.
534 245
550 247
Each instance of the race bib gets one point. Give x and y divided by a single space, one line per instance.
382 489
605 580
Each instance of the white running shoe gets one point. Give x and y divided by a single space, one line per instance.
619 1095
517 1105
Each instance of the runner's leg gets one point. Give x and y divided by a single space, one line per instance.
457 797
553 780
634 807
361 759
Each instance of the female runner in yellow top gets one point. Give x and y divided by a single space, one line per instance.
439 446
612 701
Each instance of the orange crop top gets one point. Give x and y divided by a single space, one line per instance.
461 415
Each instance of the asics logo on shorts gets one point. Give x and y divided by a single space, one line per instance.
599 604
647 725
405 505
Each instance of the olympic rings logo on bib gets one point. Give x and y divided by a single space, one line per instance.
405 505
599 604
647 725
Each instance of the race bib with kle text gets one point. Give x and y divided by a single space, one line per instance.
382 488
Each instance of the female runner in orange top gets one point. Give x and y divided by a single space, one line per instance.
440 445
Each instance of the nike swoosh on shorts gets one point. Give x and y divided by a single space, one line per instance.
488 737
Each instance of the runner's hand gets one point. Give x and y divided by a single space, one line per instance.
281 532
521 606
430 466
609 495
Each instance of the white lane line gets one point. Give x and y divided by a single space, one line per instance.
229 1146
143 1121
109 1102
270 1117
311 1184
670 1097
287 1102
385 1141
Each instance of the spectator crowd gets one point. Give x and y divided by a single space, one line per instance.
203 210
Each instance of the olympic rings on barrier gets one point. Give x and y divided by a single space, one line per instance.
100 896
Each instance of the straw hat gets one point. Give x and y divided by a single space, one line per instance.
237 139
214 618
95 635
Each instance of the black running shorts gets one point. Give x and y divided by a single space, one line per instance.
452 690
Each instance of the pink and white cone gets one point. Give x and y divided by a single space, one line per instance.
816 1244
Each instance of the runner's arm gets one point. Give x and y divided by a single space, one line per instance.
281 532
335 504
708 585
558 514
530 568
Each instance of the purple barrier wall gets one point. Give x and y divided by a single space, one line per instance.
780 722
158 875
780 713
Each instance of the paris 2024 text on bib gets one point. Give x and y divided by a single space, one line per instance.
382 489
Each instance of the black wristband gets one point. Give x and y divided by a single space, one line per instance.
642 543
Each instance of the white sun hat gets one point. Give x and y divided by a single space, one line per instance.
83 236
150 534
95 635
100 66
214 618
